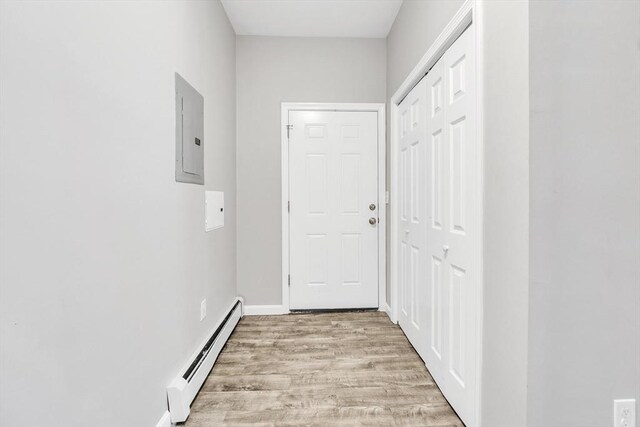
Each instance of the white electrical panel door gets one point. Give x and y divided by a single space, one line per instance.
192 138
412 294
333 220
214 210
189 133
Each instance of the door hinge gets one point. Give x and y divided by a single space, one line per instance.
288 206
289 127
289 280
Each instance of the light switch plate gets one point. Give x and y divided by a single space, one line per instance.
214 210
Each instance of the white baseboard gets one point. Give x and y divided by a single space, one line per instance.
387 309
165 421
263 310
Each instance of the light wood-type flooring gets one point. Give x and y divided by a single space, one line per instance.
321 369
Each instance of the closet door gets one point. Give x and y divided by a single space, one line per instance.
412 199
439 224
436 239
452 228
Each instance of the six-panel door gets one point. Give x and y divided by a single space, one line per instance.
447 277
333 187
412 200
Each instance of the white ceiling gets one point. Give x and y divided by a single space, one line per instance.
312 18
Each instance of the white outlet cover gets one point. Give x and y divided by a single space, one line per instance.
624 413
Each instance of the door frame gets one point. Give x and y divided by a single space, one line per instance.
378 108
469 13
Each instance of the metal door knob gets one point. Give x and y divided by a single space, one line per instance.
445 249
372 221
372 207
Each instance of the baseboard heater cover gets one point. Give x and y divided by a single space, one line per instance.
183 390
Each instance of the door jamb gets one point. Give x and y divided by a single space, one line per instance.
379 108
471 12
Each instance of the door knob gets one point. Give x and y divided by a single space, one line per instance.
372 207
445 249
372 221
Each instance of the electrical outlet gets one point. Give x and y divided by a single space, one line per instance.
624 413
203 309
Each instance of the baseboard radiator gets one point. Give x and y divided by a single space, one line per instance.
183 390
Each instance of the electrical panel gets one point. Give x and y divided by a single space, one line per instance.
189 133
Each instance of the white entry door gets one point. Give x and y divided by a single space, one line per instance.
412 198
448 288
333 218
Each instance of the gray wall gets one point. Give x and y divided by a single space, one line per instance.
584 335
506 162
417 25
272 70
103 257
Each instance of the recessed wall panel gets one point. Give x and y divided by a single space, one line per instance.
415 182
457 176
436 97
350 259
350 133
404 265
404 123
316 131
415 113
457 79
350 184
404 183
457 290
317 259
436 180
415 274
436 306
316 166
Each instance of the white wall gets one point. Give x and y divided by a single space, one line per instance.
272 70
584 327
103 256
506 212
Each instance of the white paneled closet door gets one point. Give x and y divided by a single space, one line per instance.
450 228
412 199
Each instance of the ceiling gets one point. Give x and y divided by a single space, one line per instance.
312 18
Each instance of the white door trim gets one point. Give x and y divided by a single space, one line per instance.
470 12
382 185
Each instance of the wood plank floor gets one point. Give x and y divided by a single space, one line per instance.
324 369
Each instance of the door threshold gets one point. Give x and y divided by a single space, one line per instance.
331 310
